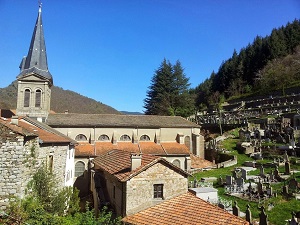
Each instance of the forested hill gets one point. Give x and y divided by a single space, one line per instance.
269 63
61 100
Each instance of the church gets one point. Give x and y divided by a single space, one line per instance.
173 138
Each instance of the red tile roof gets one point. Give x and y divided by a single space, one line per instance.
197 162
29 127
144 147
184 209
118 164
175 148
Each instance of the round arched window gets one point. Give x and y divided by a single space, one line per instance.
125 137
103 137
80 137
79 168
176 162
144 138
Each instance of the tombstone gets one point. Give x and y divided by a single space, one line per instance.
285 190
262 172
293 220
287 167
259 187
221 205
285 157
244 174
271 175
263 218
229 180
276 172
293 184
234 174
235 209
248 214
220 180
269 190
240 182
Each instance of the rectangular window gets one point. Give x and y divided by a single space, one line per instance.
26 98
38 96
158 190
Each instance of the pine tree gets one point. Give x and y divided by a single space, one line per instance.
168 93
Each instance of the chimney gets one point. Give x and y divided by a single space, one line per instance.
15 120
136 161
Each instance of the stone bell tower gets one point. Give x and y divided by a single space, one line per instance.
35 80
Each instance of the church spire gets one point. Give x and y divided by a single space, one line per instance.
36 60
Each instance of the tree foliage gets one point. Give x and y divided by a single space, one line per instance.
46 204
169 92
239 74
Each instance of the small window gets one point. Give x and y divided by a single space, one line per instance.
80 137
158 191
26 98
125 137
79 168
144 138
103 137
38 97
50 163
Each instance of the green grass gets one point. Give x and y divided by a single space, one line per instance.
282 207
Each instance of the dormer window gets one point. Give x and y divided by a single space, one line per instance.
125 137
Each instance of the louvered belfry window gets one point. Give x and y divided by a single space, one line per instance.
26 98
38 96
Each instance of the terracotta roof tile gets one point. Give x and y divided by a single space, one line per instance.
184 209
149 147
118 164
29 127
175 148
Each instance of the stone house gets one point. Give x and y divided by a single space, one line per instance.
147 189
132 182
24 145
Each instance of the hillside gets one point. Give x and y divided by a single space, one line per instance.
61 100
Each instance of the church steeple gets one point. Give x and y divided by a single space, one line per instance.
35 80
36 59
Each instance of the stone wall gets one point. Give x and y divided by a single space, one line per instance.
139 189
19 160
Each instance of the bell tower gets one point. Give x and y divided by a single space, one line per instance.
35 80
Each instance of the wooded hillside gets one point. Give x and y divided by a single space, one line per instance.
61 100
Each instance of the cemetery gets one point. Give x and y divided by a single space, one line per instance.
262 184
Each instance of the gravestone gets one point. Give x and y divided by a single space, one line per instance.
244 174
234 174
229 180
259 187
287 167
263 218
235 209
293 220
285 190
269 190
285 157
248 214
240 182
262 172
271 175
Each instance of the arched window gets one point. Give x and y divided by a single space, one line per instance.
79 168
38 97
103 137
26 98
144 138
80 137
125 137
176 162
187 141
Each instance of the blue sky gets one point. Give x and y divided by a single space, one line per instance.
108 50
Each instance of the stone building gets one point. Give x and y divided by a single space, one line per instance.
147 189
25 145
